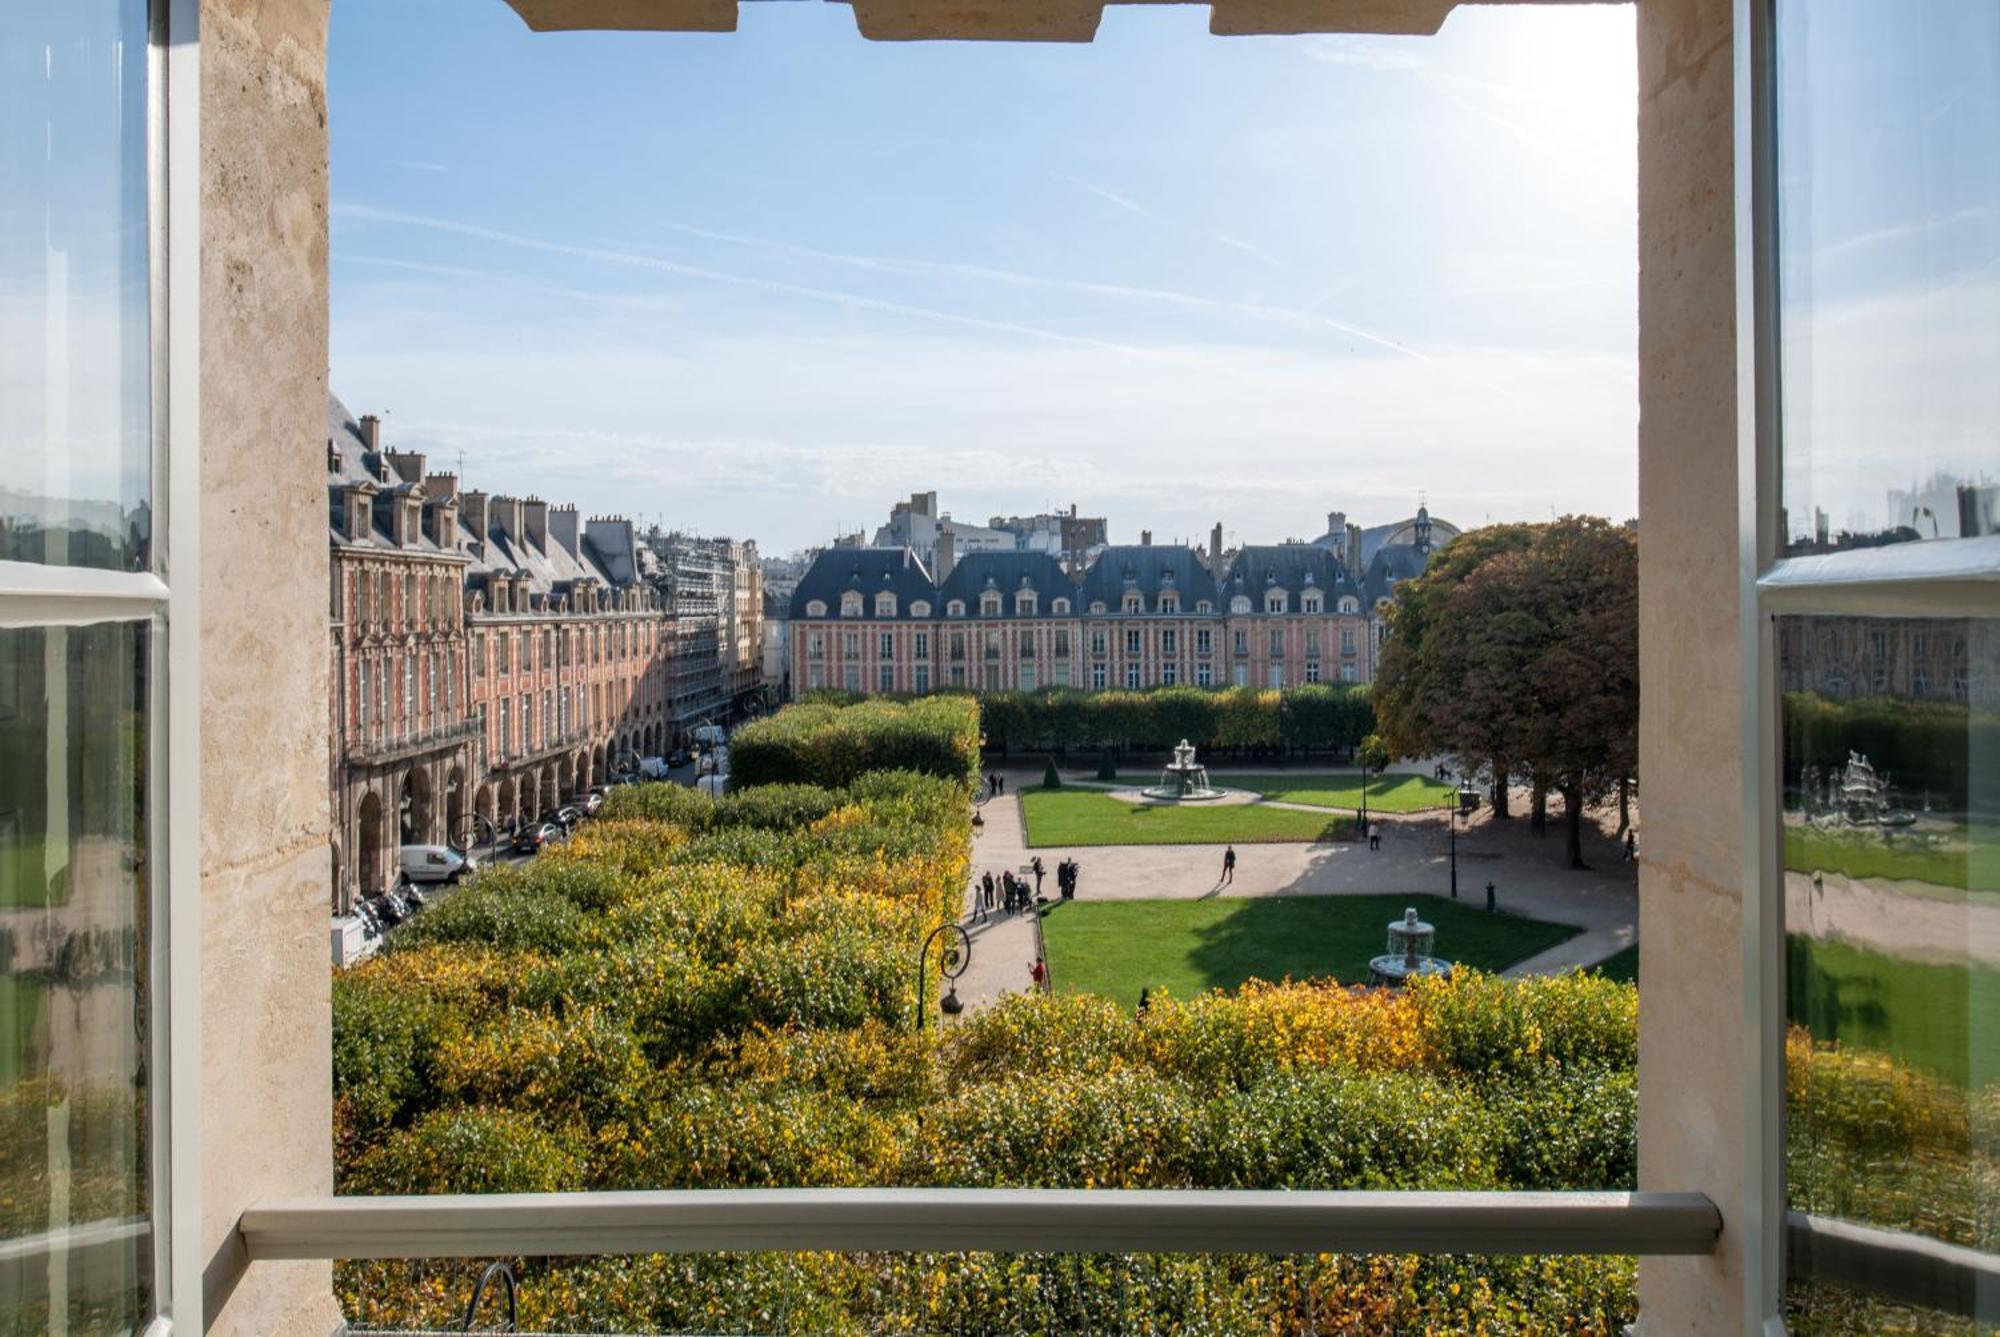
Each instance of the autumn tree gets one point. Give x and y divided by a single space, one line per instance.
1529 656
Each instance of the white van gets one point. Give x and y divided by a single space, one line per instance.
436 863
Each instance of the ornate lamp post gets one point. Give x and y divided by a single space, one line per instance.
951 965
1454 849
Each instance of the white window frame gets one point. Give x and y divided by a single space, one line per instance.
166 600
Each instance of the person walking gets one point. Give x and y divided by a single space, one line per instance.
1039 973
1228 864
1037 866
986 886
978 903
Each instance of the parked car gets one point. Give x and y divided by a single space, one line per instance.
533 835
436 863
588 803
678 758
653 768
567 817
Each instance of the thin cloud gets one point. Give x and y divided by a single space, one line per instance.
1111 196
853 301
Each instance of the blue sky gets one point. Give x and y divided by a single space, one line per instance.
765 283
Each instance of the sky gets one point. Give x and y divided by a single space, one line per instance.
764 284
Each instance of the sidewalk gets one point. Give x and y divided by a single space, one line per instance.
1415 859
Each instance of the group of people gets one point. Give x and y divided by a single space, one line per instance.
996 784
1009 894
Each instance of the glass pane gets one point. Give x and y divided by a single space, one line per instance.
73 1047
1889 239
1892 913
75 482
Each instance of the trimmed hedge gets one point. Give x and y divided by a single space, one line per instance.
1309 716
836 745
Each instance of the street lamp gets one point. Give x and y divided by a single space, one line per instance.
1454 848
951 965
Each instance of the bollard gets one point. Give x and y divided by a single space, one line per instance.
1489 898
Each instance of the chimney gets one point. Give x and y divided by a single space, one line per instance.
1336 530
473 515
1354 552
562 525
371 431
947 554
1145 538
1215 548
507 519
441 487
535 523
408 464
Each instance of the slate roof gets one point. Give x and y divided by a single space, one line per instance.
1008 573
835 571
1292 567
1148 569
1393 563
349 461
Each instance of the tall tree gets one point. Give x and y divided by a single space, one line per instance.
1414 677
1530 655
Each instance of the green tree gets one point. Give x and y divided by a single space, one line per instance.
1413 679
1530 656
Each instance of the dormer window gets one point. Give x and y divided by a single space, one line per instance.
1135 602
1240 604
1274 601
920 608
1203 606
1024 604
955 608
989 605
1059 606
1170 602
850 604
885 604
1310 602
1350 604
1097 606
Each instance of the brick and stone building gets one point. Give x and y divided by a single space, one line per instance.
878 620
491 655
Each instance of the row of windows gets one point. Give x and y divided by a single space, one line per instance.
431 598
889 679
1027 604
620 640
992 645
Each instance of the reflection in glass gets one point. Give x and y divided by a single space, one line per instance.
75 445
73 1079
1891 764
1889 265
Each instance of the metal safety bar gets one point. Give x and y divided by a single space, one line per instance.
997 1220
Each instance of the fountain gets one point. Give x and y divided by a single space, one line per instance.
1409 954
1184 780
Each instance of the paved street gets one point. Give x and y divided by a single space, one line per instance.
1415 858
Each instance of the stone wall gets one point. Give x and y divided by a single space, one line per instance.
266 1080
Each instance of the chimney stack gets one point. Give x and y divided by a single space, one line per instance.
1145 538
507 518
947 554
563 527
441 487
1215 548
535 523
473 515
408 464
371 431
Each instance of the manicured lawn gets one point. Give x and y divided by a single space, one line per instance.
1623 967
1931 1016
1079 817
1969 860
1328 789
1117 948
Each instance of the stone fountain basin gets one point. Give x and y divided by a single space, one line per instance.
1220 798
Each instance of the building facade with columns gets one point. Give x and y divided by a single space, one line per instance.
879 620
